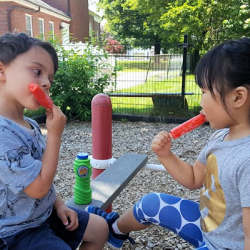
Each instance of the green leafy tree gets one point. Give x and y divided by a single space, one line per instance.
131 24
207 23
163 23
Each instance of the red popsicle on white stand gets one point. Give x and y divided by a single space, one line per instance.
187 126
42 98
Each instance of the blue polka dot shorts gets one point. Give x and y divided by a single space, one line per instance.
176 214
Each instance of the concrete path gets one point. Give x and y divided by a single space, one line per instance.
129 79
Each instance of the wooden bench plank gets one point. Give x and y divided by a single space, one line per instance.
129 94
108 185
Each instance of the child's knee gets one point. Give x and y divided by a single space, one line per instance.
144 210
148 201
103 227
97 229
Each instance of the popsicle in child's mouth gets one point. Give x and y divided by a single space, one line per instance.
42 98
187 126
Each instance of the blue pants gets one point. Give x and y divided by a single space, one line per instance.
50 235
176 214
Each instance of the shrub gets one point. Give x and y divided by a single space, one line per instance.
78 79
114 47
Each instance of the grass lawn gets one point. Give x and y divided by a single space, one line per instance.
140 65
144 105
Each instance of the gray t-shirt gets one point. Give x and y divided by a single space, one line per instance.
21 151
226 190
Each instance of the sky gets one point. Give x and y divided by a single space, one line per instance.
92 6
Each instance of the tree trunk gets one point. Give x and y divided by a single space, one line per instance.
157 52
157 48
194 59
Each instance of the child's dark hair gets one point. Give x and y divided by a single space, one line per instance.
225 67
14 44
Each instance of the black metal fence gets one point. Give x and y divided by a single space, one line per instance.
153 88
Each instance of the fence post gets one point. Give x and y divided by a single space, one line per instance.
149 65
184 66
115 73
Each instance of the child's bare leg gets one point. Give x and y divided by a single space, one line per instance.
127 222
119 227
96 233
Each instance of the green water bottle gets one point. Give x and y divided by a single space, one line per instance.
83 171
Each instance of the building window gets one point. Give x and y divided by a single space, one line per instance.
51 30
28 23
65 33
41 27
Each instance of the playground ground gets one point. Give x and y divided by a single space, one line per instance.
134 137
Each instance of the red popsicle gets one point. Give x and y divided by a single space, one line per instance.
42 98
187 126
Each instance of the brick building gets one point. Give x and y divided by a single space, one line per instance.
63 19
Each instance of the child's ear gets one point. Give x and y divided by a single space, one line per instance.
239 96
2 72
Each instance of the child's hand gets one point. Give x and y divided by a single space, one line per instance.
68 217
161 144
55 121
